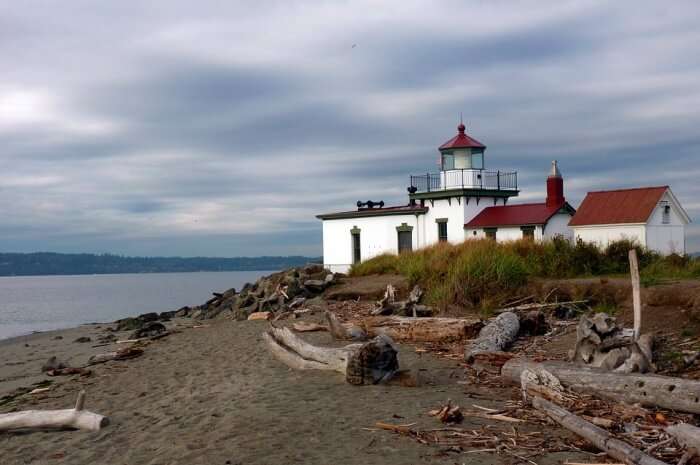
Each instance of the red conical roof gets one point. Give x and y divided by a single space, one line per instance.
462 140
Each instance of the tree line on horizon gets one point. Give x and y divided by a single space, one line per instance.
51 263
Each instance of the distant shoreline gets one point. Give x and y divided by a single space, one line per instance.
58 264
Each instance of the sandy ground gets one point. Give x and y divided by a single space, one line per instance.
214 395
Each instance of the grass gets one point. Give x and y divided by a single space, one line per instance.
480 273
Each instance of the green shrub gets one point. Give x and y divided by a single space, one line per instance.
481 273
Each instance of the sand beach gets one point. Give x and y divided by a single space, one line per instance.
214 395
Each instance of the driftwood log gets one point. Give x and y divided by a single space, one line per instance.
410 329
495 336
44 419
370 363
405 329
645 389
597 436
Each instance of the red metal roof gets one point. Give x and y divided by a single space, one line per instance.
461 140
618 206
514 215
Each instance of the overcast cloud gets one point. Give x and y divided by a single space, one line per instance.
222 128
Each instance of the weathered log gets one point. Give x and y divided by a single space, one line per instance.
645 389
42 419
597 436
495 336
411 329
685 434
369 363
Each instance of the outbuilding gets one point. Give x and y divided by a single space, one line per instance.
651 216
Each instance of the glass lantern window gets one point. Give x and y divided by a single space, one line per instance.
448 161
477 159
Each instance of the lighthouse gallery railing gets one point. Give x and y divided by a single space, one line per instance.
465 179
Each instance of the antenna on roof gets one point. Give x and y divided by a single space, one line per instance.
460 118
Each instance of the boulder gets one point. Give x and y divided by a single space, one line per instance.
146 317
183 312
83 339
165 316
150 329
128 324
315 285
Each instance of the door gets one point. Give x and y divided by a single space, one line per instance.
405 241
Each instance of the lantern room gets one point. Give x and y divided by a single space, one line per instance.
462 152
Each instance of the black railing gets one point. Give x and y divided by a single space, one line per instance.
465 179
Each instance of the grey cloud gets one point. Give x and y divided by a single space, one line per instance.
227 140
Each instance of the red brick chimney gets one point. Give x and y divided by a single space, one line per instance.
555 187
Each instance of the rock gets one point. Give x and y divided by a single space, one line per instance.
106 338
146 317
183 312
58 338
313 268
230 293
165 316
329 278
53 364
247 300
315 285
83 339
297 302
128 324
149 329
197 314
260 316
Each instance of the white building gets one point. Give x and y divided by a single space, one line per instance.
441 208
651 216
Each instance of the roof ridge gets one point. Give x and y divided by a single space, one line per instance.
517 205
630 189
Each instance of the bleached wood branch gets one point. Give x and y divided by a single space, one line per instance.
42 419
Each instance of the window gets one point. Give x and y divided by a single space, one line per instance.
478 159
666 217
490 233
405 237
528 232
448 161
442 230
356 250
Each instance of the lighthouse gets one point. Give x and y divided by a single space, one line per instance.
439 205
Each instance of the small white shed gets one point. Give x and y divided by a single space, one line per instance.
651 216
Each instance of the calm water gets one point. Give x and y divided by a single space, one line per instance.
40 303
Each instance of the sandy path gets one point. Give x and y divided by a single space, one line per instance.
215 396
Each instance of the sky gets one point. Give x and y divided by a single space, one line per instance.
222 128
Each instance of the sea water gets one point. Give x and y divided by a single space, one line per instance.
41 303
